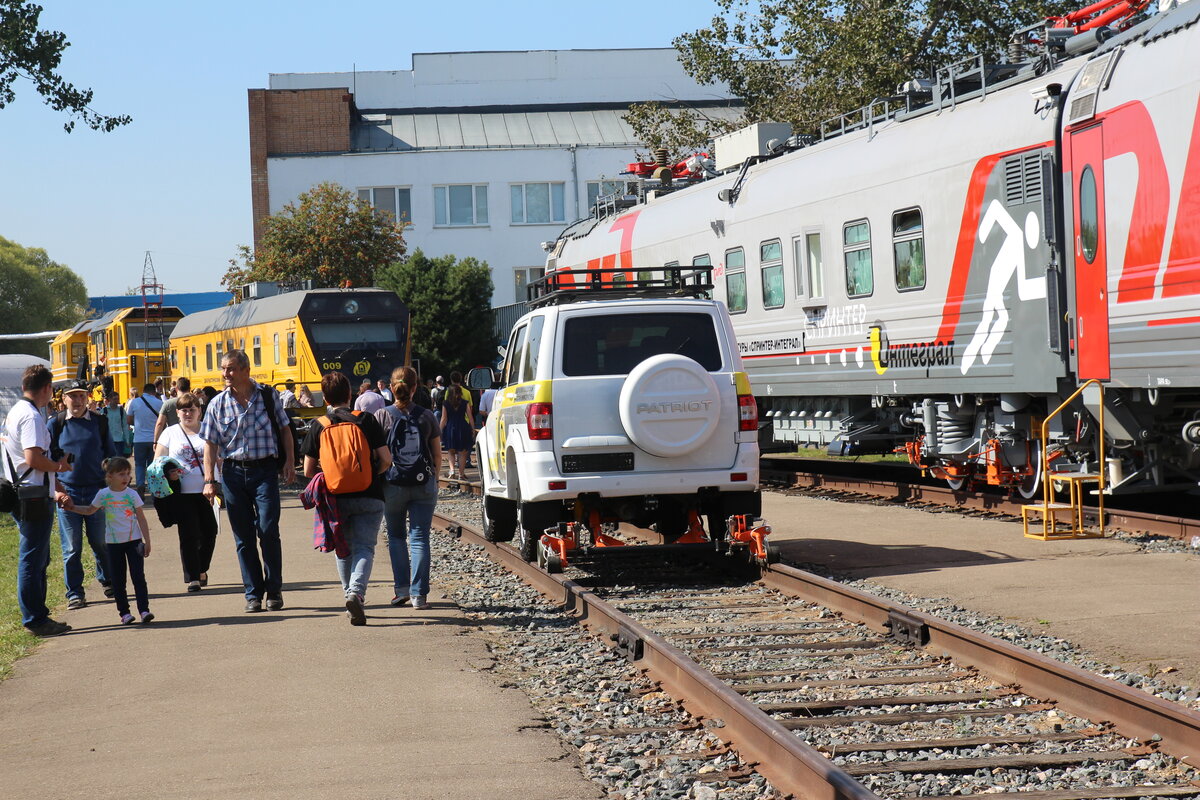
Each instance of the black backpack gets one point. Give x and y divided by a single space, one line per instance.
410 456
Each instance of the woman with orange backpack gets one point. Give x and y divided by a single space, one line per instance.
346 454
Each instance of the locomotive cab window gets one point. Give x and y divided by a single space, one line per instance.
735 280
770 259
908 249
291 348
856 254
1089 215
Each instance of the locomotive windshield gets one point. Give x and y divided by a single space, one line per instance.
615 344
347 335
137 334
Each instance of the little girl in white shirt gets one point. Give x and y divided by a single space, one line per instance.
126 536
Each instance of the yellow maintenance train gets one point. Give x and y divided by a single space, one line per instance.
129 345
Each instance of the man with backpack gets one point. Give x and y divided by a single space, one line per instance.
83 438
348 450
410 490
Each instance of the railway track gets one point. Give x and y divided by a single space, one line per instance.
832 693
904 486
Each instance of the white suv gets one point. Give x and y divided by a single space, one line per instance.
633 409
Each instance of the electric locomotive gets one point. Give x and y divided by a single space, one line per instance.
940 271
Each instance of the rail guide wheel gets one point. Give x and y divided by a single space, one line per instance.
750 532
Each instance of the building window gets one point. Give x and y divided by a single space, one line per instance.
597 188
810 266
393 200
770 259
735 280
523 276
258 351
277 348
537 203
908 249
856 252
460 205
291 348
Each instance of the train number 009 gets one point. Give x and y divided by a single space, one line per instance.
328 366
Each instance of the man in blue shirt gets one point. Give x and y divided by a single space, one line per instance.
143 416
82 437
237 427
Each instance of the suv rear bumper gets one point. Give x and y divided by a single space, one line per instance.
539 469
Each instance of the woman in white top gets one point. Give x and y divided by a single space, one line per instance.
194 517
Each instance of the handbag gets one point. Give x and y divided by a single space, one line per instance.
33 502
9 496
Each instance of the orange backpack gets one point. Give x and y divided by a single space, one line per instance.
345 456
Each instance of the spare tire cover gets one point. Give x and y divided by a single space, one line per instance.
669 405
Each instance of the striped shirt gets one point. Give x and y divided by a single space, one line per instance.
243 433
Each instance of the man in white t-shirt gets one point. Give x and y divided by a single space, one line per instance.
27 463
369 401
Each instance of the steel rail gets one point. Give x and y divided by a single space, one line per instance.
908 491
774 751
1133 712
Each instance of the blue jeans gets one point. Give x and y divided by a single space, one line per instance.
408 511
71 527
360 518
143 454
33 557
252 498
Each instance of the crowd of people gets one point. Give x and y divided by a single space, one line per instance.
371 459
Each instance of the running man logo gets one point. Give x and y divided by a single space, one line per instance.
885 355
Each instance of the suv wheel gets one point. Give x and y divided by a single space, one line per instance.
532 521
499 519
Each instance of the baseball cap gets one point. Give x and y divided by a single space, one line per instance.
76 386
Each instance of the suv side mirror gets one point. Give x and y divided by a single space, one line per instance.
480 378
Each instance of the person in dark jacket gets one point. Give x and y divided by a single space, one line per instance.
83 438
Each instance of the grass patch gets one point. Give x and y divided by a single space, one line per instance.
15 641
818 453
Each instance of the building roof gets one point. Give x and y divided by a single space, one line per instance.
250 312
187 302
516 129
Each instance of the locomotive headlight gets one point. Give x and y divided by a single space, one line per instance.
351 307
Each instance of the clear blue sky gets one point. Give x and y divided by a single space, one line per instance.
176 181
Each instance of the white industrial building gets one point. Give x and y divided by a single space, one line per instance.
487 154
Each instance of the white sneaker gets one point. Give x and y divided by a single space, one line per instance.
420 603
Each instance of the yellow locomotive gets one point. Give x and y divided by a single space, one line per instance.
296 336
130 345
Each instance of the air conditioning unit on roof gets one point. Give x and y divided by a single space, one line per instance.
734 148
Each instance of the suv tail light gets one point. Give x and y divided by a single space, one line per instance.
539 420
747 413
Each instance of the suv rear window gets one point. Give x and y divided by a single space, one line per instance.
616 343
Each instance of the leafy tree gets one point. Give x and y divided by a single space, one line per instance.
36 294
331 237
807 61
28 52
449 301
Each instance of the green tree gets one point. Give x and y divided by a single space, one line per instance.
330 237
449 301
807 61
28 52
36 294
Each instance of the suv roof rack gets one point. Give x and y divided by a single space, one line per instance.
572 285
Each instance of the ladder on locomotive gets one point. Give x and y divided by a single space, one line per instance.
1065 520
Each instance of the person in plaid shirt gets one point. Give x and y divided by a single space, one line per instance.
237 428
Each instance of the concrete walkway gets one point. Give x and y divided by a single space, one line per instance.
208 701
1133 609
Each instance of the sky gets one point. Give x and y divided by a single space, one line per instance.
176 181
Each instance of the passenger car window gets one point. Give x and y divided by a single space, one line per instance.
516 354
908 249
614 344
735 280
856 252
770 257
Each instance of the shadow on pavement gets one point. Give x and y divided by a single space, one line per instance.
861 560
